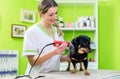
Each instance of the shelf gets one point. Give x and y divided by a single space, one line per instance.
93 47
92 65
79 29
76 1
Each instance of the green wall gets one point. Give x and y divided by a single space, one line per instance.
108 30
10 14
109 35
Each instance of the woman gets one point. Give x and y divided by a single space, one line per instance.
41 34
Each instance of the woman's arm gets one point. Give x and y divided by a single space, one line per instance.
58 50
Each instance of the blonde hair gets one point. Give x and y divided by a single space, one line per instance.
60 33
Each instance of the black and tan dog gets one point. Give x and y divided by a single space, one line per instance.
78 52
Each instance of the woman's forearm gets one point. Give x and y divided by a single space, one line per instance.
44 57
41 59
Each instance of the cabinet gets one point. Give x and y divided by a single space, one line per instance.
76 4
9 63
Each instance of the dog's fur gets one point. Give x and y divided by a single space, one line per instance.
78 52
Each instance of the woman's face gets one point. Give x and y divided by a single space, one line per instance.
50 16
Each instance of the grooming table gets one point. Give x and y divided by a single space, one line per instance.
94 74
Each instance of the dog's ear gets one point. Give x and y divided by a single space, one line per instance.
88 38
85 37
88 41
74 42
77 41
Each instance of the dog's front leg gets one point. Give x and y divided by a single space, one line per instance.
68 68
85 62
81 68
74 67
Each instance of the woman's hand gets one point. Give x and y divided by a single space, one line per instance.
65 58
60 49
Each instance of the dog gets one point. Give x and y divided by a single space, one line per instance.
78 52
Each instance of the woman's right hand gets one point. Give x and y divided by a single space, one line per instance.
60 49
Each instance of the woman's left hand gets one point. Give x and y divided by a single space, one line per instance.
65 58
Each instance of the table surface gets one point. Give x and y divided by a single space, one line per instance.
94 74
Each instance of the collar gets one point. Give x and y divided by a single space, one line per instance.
79 60
44 30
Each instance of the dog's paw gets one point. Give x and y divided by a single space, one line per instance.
73 71
86 72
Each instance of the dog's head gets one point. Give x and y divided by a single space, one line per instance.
82 44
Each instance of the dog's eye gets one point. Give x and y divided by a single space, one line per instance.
79 46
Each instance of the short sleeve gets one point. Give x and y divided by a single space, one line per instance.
29 45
